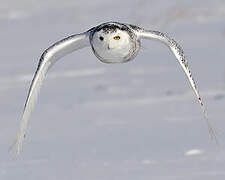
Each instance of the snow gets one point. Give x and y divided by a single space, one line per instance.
138 120
193 152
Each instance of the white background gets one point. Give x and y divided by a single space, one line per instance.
94 121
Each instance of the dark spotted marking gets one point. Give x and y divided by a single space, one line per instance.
112 27
108 28
136 28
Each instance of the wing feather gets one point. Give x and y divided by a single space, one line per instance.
179 54
48 58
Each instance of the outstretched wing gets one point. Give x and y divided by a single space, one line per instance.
178 52
48 58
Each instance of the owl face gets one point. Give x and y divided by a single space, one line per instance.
114 43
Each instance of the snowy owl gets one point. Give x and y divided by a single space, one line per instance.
111 42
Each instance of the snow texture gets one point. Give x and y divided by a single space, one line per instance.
95 121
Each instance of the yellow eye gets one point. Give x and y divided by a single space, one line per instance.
116 37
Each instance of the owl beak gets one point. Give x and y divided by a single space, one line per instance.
110 46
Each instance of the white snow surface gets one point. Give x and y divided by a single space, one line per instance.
94 121
194 152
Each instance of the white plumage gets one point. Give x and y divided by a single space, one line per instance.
111 42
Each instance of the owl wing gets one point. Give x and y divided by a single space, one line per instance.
179 54
48 58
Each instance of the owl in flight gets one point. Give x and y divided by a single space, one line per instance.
111 42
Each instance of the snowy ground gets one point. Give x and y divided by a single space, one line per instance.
93 121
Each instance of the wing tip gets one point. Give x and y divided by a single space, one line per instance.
213 132
17 145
